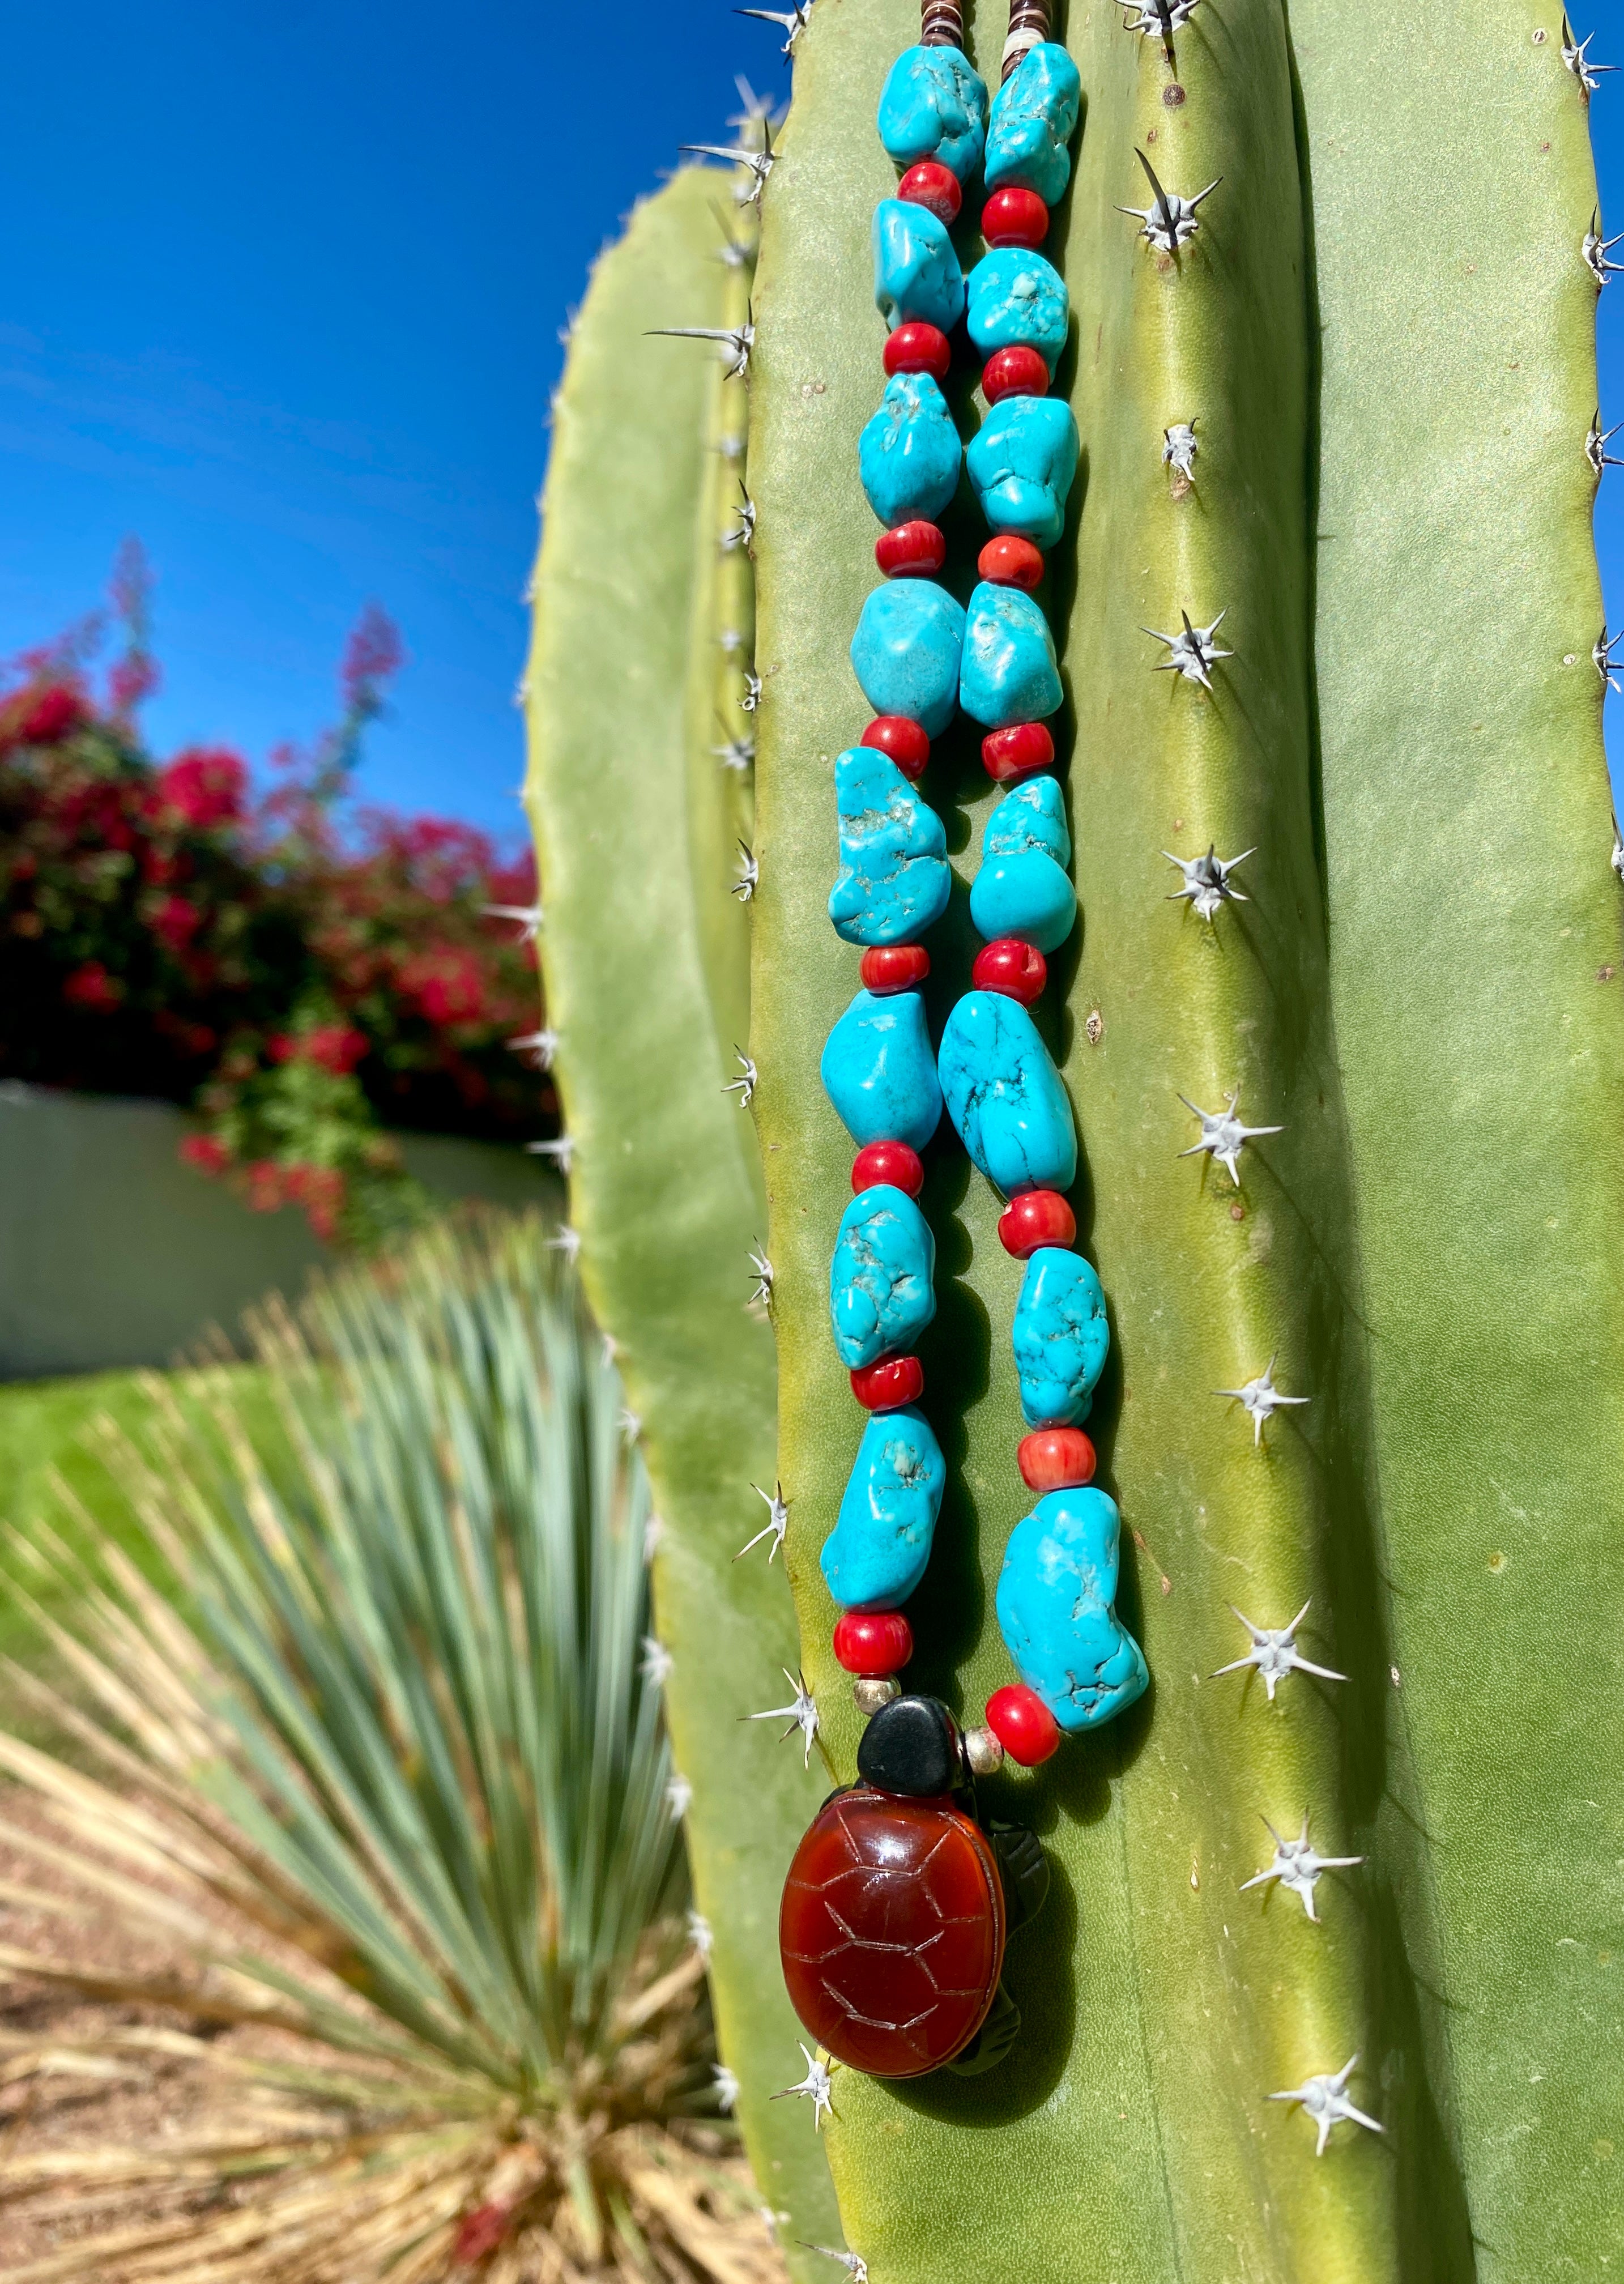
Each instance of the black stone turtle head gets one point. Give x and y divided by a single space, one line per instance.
912 1746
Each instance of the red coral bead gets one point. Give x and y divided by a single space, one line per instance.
888 968
894 1380
1023 1725
1013 218
1056 1459
1019 970
873 1642
934 185
1017 371
917 347
1036 1217
905 741
1016 752
1008 561
892 1163
910 550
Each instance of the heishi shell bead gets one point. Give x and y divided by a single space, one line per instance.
1055 1460
1014 217
1015 296
918 349
888 1385
913 550
1017 371
888 967
1004 1096
894 879
876 1552
909 453
1009 562
1008 671
906 652
917 276
931 185
1016 752
1060 1336
893 1163
873 1642
1023 1725
1017 969
1055 1610
905 741
1035 1218
1023 463
870 1691
983 1752
879 1072
1033 117
934 105
880 1295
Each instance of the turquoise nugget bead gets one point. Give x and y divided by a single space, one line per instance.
917 276
1021 889
1016 296
1004 1096
1032 815
880 1295
1033 117
1026 896
934 105
905 653
1008 672
876 1555
909 455
1055 1610
1061 1338
893 873
1023 462
879 1072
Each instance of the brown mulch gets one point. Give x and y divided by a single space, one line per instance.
69 2104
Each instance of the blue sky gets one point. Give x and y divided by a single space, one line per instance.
282 293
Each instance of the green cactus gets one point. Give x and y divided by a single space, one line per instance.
1390 506
638 823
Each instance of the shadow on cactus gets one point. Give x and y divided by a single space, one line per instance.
395 1790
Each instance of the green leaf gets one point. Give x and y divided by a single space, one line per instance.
629 692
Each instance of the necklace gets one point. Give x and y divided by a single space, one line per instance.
898 1903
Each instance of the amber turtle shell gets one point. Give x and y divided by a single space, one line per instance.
891 1931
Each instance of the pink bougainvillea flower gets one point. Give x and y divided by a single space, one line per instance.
205 1152
175 923
445 983
205 788
91 987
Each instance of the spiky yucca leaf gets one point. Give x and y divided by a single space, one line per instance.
396 1787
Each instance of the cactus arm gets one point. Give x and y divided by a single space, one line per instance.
643 957
1132 2130
1476 971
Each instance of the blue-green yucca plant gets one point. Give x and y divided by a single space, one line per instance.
397 1784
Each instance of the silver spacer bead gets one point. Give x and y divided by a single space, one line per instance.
983 1752
874 1690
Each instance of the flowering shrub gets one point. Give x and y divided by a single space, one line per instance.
297 974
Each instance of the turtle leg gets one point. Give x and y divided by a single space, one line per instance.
993 2040
1025 1871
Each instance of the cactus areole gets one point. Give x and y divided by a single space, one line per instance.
892 1921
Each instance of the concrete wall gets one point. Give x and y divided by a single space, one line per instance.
113 1253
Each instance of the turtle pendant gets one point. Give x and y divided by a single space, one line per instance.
894 1919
